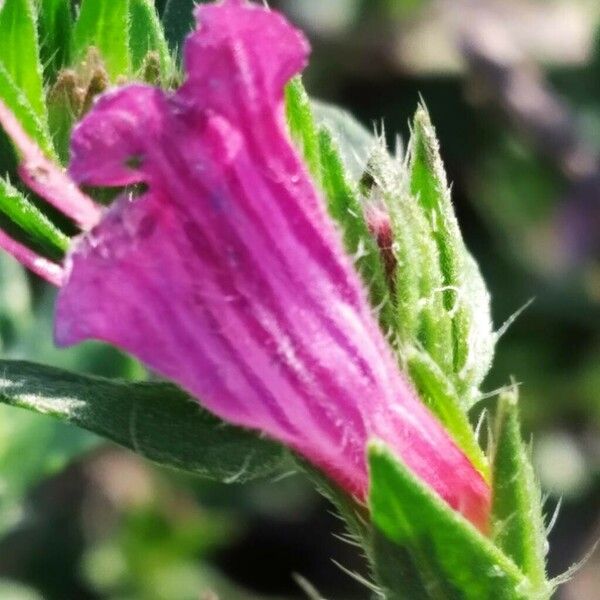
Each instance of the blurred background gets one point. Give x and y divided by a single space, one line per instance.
513 87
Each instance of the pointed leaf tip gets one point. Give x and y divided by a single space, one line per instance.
518 523
465 297
424 549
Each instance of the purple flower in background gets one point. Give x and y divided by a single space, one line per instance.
226 274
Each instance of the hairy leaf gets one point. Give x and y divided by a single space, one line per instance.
20 54
436 391
156 420
426 550
146 35
518 523
302 126
346 209
353 141
18 103
54 25
104 24
421 321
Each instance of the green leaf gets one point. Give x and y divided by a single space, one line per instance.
518 522
156 420
426 550
465 297
18 103
178 21
322 155
395 571
54 24
38 228
20 53
104 24
146 35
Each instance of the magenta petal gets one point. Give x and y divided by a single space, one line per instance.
107 148
227 277
244 53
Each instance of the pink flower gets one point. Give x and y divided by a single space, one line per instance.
226 275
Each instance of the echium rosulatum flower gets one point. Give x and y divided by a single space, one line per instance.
226 275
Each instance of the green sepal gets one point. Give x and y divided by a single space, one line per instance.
426 550
437 392
146 35
302 126
156 420
20 52
54 25
355 515
104 24
19 105
465 297
420 320
36 227
518 522
354 142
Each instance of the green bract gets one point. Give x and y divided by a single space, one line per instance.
425 550
518 523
